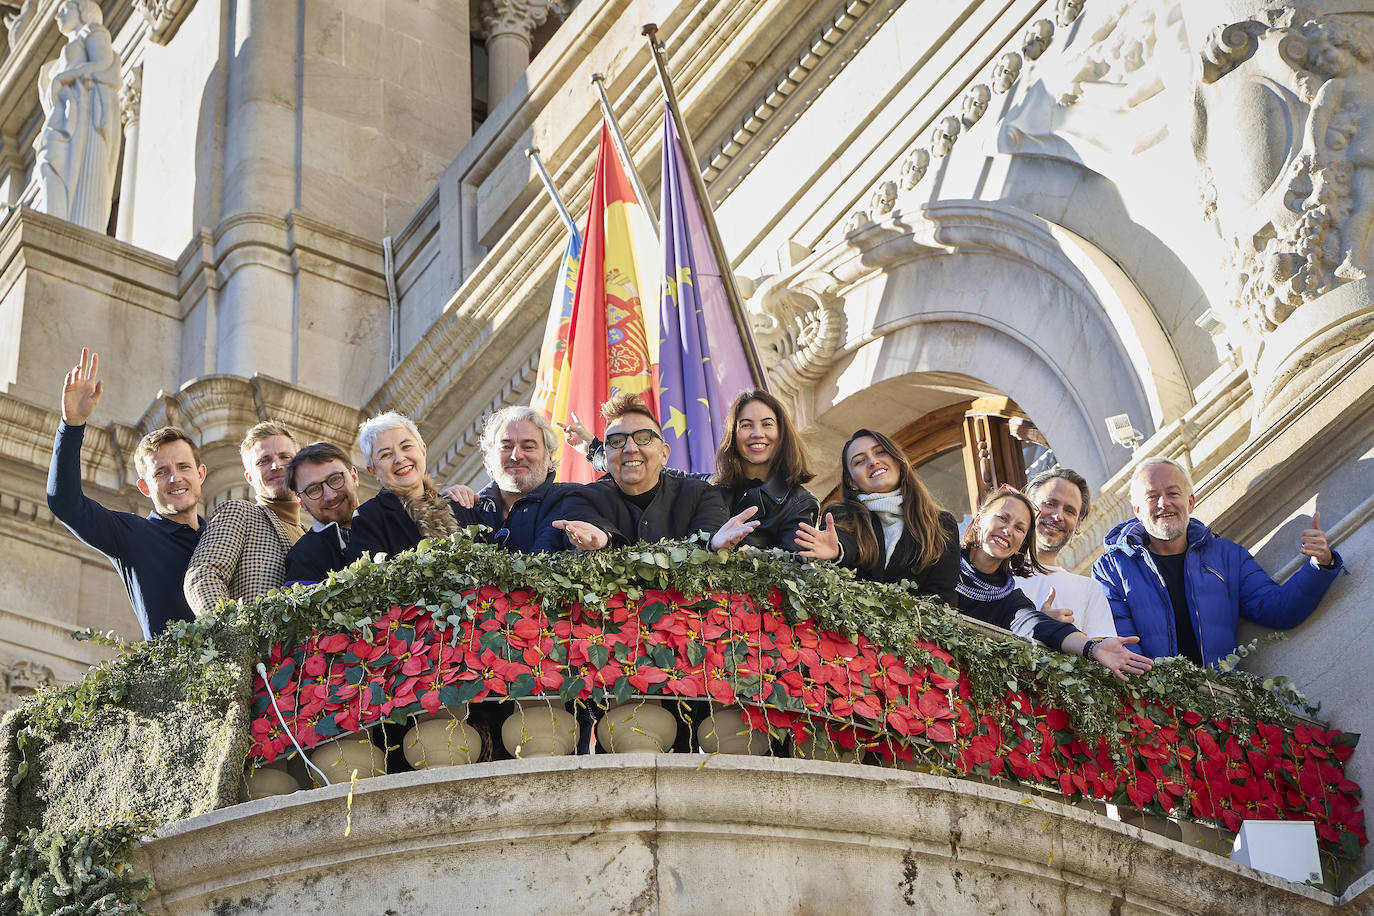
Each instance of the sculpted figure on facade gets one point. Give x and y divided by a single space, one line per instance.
1005 73
1066 11
18 14
78 145
22 679
884 198
1037 38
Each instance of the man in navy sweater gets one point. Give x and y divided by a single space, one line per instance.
149 553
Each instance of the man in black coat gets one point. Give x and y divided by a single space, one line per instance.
522 501
637 501
327 484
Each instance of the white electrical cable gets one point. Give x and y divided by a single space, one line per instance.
262 673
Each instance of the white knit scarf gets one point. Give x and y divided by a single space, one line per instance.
888 508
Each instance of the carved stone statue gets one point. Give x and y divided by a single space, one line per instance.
1066 11
884 198
1007 70
78 146
975 104
1037 38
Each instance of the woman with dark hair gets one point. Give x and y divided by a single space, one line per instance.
761 463
887 526
996 546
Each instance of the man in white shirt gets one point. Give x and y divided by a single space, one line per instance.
1061 502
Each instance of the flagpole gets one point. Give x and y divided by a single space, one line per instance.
532 153
650 31
623 152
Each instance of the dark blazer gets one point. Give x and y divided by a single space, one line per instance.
781 508
383 524
319 552
937 580
682 507
529 526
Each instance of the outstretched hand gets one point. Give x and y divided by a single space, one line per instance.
1113 655
583 535
80 390
576 435
735 530
1063 614
1314 543
821 543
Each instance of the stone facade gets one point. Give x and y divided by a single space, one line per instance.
1091 208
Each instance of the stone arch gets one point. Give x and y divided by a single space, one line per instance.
970 298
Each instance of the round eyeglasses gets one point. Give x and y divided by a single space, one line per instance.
334 481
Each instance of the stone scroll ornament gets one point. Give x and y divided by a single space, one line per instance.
77 150
1286 144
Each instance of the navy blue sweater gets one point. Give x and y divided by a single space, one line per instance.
150 554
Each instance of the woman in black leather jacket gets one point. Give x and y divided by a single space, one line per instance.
761 463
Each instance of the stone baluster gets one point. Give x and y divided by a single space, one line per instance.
509 26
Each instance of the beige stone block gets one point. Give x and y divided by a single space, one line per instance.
362 45
410 115
346 92
324 31
401 58
443 24
353 205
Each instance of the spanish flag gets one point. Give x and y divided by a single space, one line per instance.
612 340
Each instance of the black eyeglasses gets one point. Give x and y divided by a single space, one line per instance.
616 441
334 481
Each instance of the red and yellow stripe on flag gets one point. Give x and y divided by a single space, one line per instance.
612 339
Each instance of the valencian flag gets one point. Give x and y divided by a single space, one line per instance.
702 359
612 342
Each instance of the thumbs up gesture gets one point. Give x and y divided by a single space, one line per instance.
1314 543
1055 613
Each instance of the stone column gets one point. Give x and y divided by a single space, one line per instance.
509 25
130 96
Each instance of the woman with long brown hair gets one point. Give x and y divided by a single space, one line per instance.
761 463
887 526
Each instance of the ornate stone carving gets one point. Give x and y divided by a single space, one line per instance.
857 220
77 150
518 17
164 17
944 134
975 104
131 96
884 198
1005 73
19 15
914 167
1037 38
1066 11
22 679
1297 206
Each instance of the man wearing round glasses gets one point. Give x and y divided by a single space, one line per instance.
636 501
327 484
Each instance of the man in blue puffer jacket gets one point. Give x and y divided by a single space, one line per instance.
1182 589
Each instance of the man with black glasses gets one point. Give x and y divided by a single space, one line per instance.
637 501
327 484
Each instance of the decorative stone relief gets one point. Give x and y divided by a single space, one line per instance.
22 679
1037 38
944 134
164 17
884 198
18 15
131 96
1066 11
1005 73
1295 204
857 220
518 17
975 104
77 150
914 167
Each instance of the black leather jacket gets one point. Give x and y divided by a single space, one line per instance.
781 508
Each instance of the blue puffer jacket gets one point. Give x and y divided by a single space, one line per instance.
1223 583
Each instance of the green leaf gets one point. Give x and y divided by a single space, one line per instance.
522 686
469 690
570 689
598 655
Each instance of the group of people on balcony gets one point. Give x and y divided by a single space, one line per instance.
1166 585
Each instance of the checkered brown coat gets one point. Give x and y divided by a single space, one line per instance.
241 554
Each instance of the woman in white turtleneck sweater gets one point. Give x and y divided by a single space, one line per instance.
887 527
